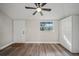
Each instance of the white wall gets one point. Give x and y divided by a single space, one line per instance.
66 32
34 35
75 32
32 31
5 30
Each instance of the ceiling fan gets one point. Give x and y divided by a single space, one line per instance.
39 8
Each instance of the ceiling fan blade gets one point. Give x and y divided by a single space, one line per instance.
46 9
36 4
41 13
43 4
34 12
30 7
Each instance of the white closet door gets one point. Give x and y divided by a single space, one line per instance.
19 31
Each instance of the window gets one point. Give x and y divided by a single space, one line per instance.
46 26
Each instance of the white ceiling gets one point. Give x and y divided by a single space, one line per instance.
59 10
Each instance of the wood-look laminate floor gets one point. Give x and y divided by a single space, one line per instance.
35 50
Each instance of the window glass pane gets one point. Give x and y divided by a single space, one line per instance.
46 26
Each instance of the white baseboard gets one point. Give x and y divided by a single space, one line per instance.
38 42
6 45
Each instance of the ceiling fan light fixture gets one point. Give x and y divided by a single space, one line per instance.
38 9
